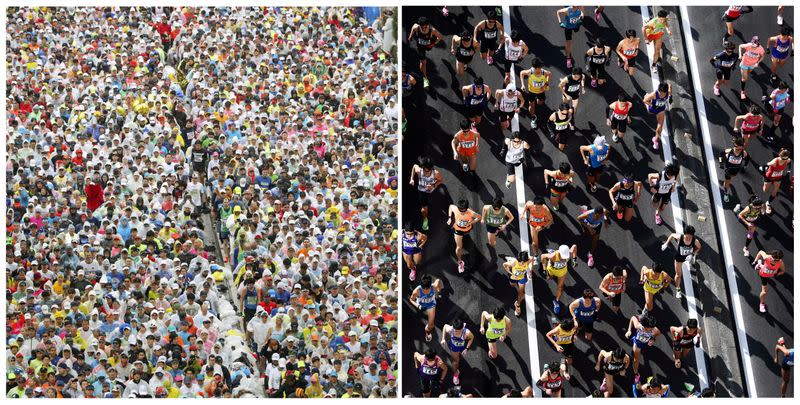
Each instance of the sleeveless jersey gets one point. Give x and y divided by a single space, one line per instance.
564 337
665 184
536 83
734 11
592 220
429 372
513 52
686 338
559 182
537 215
467 142
519 270
496 328
573 85
751 122
508 104
616 285
474 99
596 159
496 219
410 244
598 58
554 384
572 19
732 160
458 343
561 124
489 34
424 40
619 113
654 285
780 101
464 50
685 249
423 181
426 300
769 267
586 313
613 366
776 171
626 194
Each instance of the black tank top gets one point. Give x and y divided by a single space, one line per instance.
489 34
626 194
733 160
573 86
465 50
561 124
686 337
598 59
684 249
424 39
613 367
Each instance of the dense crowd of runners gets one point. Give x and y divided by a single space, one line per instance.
574 320
202 202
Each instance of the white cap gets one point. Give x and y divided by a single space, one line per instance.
563 251
511 87
600 141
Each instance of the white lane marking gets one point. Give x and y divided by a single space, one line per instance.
519 185
677 215
722 225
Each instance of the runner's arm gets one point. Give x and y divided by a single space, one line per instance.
604 283
478 28
436 35
423 239
508 327
510 217
412 32
550 337
559 12
615 188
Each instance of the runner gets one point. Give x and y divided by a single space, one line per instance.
776 103
661 186
613 286
584 312
750 54
551 381
653 388
786 363
723 63
592 223
687 249
490 34
646 334
656 103
432 371
461 219
655 280
748 216
570 19
613 363
619 116
684 338
496 326
427 179
459 342
597 58
774 172
537 83
560 125
562 337
624 196
413 241
515 50
518 271
539 219
572 87
424 298
476 96
558 182
497 218
514 154
466 145
780 46
732 160
426 38
595 157
732 13
555 264
752 124
508 102
627 50
463 47
653 32
768 265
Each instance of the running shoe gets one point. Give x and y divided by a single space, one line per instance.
465 167
615 138
535 260
620 63
594 82
555 208
603 386
655 142
460 266
556 306
445 11
636 378
413 275
769 208
473 127
489 59
533 123
769 139
619 214
590 260
425 82
737 208
574 262
749 235
678 293
716 89
456 380
597 16
428 337
425 224
508 184
743 96
746 252
762 308
659 221
780 20
773 80
569 63
654 68
593 187
726 196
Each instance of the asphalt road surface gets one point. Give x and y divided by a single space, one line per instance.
433 117
775 231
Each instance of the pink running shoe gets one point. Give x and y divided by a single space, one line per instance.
590 260
456 380
489 60
460 266
594 82
659 221
762 308
716 90
655 142
445 11
569 63
749 235
413 275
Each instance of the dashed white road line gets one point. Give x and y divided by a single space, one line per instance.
736 300
519 185
691 302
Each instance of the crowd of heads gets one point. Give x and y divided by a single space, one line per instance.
164 162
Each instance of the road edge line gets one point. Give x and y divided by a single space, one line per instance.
519 183
718 209
677 216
